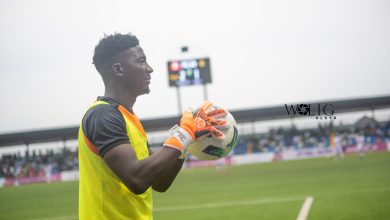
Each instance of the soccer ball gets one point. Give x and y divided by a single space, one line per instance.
210 148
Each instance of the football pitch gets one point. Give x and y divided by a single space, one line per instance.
343 189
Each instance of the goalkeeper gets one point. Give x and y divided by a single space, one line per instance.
117 168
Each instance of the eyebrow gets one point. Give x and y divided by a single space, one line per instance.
138 51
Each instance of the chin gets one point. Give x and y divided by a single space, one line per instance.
146 91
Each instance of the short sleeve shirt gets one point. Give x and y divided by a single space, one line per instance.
104 126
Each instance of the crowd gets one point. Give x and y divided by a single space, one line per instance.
282 138
38 164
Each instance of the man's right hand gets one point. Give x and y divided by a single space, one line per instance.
194 125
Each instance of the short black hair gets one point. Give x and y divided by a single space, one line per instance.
110 46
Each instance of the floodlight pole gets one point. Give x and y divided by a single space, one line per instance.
205 95
27 149
183 49
178 96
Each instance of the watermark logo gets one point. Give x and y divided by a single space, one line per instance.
318 111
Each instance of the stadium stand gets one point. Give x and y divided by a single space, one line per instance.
33 166
46 166
282 138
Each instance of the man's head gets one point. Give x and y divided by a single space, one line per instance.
121 62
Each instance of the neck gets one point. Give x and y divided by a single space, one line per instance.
125 97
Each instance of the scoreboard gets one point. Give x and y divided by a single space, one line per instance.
189 72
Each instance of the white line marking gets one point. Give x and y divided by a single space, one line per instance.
227 204
70 217
201 206
248 202
305 208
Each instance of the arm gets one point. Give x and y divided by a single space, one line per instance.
166 179
160 169
169 174
139 175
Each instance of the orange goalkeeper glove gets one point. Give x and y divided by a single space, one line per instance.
203 122
208 120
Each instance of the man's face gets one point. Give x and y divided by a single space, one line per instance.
136 71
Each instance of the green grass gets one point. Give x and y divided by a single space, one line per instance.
344 189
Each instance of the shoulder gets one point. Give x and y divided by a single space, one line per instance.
102 109
102 113
105 127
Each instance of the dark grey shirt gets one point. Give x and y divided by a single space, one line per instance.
104 126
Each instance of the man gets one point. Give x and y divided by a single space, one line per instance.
360 144
117 169
338 149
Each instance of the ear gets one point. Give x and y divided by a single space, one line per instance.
117 68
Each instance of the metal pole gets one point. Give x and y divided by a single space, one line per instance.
27 153
253 127
205 95
178 100
64 143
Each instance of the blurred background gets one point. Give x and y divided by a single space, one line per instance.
265 58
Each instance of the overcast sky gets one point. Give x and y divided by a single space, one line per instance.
262 53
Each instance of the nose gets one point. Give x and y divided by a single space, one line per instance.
149 69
